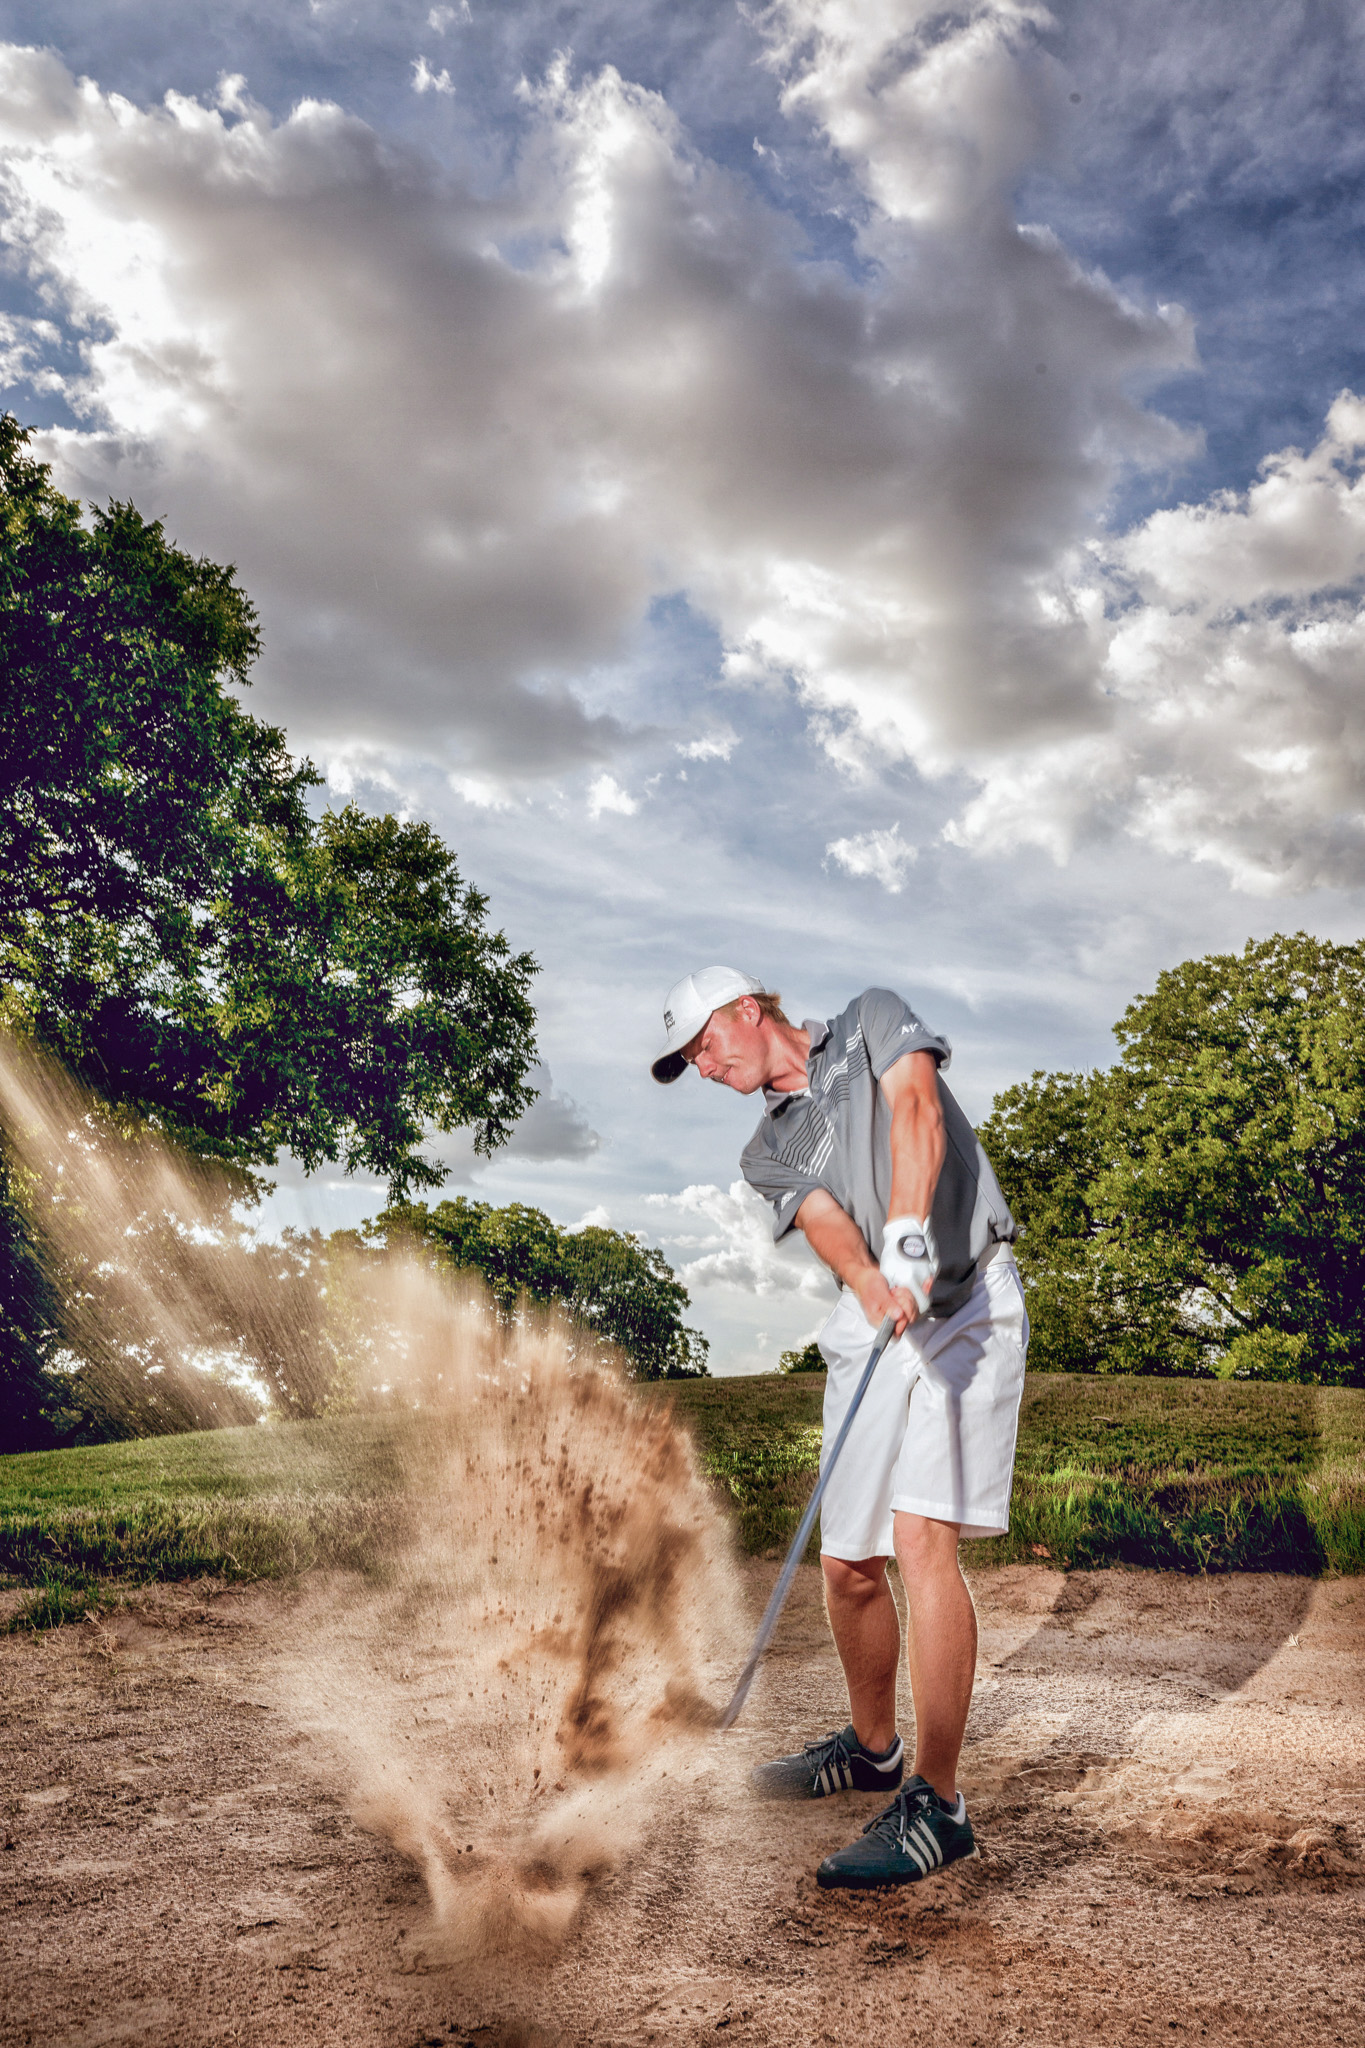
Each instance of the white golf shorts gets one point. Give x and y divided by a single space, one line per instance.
935 1433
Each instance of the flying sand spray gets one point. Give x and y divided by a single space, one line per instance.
522 1680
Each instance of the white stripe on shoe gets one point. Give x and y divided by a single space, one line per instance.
928 1841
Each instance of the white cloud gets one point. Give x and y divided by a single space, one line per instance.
440 18
231 93
424 79
25 345
482 793
312 357
348 768
884 856
1230 648
927 105
596 1218
460 443
735 1245
712 746
606 794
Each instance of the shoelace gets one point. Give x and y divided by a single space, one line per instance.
829 1754
894 1823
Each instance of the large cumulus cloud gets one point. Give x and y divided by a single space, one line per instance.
461 440
1230 649
459 443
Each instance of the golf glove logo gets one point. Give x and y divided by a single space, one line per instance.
910 1257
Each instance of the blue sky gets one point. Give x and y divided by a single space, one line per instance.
865 495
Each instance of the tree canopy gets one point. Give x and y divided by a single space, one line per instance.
1200 1206
623 1291
809 1358
175 925
178 927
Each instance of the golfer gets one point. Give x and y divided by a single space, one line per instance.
862 1149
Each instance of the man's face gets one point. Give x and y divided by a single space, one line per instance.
732 1048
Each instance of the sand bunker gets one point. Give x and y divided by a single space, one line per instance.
1167 1780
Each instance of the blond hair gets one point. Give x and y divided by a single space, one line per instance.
769 1007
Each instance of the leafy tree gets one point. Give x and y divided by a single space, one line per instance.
627 1292
515 1250
29 1408
810 1358
1045 1138
620 1289
1201 1207
177 926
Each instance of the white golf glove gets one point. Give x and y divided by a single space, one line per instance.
910 1257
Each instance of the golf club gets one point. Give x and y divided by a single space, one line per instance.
802 1536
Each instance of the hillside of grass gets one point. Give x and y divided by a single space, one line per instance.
236 1504
1192 1475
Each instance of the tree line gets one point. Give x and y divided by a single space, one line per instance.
219 959
1199 1207
616 1288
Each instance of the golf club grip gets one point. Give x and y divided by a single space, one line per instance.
778 1599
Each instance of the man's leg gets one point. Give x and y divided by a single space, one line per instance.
954 1473
942 1644
867 1635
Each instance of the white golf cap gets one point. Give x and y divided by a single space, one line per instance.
687 1006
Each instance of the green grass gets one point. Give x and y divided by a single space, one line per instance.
230 1503
1199 1475
759 1438
1191 1475
1194 1475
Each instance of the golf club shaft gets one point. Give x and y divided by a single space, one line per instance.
802 1537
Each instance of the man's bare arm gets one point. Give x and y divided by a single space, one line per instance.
918 1143
835 1238
917 1150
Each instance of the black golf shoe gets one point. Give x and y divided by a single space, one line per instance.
918 1833
838 1764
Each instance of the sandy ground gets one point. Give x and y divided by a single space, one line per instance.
1167 1777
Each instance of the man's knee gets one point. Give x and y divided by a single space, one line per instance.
854 1583
925 1545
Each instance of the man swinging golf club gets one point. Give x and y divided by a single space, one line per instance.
863 1149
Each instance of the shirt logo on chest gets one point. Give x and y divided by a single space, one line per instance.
809 1139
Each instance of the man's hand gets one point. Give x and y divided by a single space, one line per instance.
877 1299
836 1240
910 1257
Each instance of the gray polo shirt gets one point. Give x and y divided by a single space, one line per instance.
835 1133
